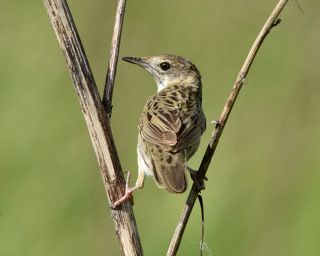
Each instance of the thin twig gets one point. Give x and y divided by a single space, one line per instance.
184 217
113 59
97 122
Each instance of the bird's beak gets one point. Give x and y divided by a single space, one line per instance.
142 62
135 60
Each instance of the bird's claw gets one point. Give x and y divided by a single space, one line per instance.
127 195
198 182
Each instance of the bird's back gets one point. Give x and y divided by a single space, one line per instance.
170 128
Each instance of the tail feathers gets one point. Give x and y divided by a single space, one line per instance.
171 174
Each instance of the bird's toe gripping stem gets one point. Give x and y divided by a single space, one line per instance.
127 195
199 182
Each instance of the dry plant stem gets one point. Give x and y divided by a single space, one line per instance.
113 59
184 217
97 122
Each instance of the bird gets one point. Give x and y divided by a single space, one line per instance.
171 124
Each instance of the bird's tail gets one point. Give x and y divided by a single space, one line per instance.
171 172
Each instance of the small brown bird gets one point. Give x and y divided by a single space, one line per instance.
171 123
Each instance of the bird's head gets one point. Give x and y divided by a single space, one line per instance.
168 69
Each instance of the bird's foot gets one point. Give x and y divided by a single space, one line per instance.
199 182
127 195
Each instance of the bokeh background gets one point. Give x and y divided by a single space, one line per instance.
262 197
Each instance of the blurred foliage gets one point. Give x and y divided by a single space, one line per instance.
262 197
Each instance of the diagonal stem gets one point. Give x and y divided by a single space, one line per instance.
97 123
184 217
113 59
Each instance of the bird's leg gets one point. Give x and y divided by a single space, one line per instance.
128 192
127 195
198 182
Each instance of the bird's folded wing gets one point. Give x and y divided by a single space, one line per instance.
160 127
166 128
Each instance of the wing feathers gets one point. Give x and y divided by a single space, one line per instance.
170 126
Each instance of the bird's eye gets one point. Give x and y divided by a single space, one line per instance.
165 66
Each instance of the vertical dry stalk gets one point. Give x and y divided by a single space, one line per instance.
184 217
97 122
113 60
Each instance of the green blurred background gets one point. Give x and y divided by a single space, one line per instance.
262 197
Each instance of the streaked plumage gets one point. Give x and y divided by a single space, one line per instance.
171 123
170 128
